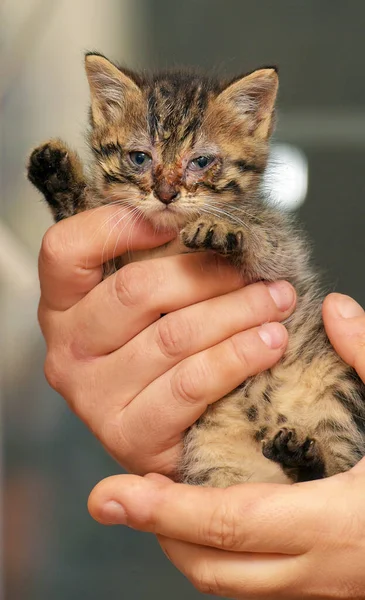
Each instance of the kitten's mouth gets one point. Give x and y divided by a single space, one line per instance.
169 215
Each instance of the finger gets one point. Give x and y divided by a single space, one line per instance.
199 327
73 251
177 399
344 320
147 426
136 296
236 575
242 518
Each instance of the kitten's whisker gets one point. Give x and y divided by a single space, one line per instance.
213 201
123 202
137 220
228 212
122 218
105 222
131 216
127 217
132 220
137 212
218 212
110 217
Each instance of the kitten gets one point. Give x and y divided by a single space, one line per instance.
189 152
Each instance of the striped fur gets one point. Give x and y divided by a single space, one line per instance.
305 417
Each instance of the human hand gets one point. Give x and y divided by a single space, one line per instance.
259 541
136 380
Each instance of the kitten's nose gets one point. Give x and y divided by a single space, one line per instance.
166 192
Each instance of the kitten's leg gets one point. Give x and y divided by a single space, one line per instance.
57 172
263 247
223 447
332 444
211 460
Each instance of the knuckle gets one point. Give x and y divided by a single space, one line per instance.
259 304
172 334
132 284
206 579
61 374
117 438
52 246
358 350
361 341
240 352
222 528
53 371
187 383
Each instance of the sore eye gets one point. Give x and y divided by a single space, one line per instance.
201 162
140 159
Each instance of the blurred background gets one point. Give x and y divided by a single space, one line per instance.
49 461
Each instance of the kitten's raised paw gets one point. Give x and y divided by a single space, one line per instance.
295 450
211 235
49 167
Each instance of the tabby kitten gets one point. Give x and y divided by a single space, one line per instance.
189 153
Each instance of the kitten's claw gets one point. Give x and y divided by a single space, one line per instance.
290 449
210 235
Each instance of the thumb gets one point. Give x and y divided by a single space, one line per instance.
243 518
127 500
344 320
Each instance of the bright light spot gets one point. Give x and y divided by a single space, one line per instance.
286 178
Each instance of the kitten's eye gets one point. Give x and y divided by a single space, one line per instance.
140 159
201 162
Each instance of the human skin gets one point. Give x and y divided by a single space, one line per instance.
259 541
136 380
250 541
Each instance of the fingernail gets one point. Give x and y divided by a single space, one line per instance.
113 513
348 308
272 334
282 293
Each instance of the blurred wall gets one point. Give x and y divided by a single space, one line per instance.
319 49
44 93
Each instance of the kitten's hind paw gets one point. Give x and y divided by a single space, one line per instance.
294 450
206 234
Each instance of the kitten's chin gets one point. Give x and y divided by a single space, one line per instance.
168 219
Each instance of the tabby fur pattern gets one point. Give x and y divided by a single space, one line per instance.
189 152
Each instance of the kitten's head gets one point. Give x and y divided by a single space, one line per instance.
176 145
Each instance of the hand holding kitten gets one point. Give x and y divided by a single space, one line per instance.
259 541
187 152
136 380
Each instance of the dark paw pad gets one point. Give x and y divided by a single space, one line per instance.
49 168
287 448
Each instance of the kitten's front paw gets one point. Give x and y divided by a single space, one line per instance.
50 168
211 235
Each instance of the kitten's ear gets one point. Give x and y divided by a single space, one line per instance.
110 88
253 98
